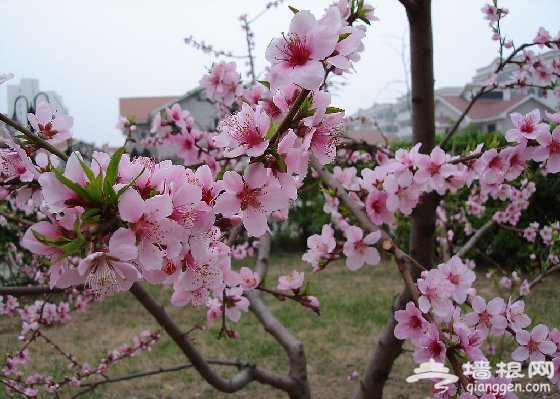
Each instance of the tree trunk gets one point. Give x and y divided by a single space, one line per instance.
423 218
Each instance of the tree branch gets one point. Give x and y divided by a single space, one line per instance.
539 279
16 219
475 238
248 373
34 290
110 380
39 142
287 121
293 348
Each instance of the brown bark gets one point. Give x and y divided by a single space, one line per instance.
293 348
423 218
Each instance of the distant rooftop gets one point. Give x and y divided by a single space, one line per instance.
484 108
140 107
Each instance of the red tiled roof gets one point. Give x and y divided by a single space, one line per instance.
140 107
483 108
370 136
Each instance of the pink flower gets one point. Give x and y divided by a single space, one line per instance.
434 169
320 246
106 272
526 126
410 324
199 276
524 288
222 84
458 274
430 346
487 318
490 12
542 37
323 132
158 236
548 149
516 315
357 248
348 48
249 279
403 193
296 57
533 346
252 197
436 293
235 303
292 281
376 208
54 130
505 282
470 341
5 77
311 303
555 337
555 379
244 132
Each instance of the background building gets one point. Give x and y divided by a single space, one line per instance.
490 113
143 110
23 99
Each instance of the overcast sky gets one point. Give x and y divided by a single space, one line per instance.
92 52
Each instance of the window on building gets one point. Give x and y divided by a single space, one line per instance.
491 128
493 95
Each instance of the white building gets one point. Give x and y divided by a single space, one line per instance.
23 98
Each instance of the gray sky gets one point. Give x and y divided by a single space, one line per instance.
94 52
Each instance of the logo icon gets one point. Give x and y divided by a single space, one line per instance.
433 369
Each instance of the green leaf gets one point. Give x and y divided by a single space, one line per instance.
113 167
123 189
111 176
293 9
95 188
280 161
74 246
81 191
306 291
271 130
265 83
87 169
343 36
333 110
90 215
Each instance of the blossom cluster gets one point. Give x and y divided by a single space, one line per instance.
438 325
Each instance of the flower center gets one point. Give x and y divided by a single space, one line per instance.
526 126
296 51
533 346
249 197
554 147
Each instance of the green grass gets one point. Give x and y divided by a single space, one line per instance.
354 308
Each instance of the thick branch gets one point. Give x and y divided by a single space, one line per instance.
247 374
293 348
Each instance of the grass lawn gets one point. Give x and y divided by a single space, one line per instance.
354 308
